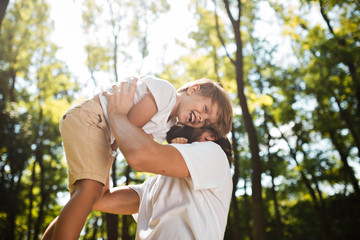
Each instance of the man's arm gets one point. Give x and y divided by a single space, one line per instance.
142 153
119 200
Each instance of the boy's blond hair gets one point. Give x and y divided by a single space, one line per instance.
218 94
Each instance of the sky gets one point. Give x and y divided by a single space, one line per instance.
69 36
172 26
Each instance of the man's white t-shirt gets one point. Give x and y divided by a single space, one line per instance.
165 97
187 208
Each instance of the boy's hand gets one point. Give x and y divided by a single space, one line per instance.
120 102
179 140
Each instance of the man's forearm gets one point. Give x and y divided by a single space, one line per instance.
133 142
118 200
144 154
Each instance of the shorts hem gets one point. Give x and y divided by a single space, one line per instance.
80 176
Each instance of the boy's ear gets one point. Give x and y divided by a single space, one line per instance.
193 89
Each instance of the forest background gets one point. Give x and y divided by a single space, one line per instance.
292 69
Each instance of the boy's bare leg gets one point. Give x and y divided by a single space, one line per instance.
73 216
48 234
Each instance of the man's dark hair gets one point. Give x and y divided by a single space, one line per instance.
194 134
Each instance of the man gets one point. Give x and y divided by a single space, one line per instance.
190 197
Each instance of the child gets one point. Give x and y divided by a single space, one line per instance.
89 143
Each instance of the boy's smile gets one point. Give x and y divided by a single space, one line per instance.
191 118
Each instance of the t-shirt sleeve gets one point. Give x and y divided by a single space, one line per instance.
206 162
139 190
162 91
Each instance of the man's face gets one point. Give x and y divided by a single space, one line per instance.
207 136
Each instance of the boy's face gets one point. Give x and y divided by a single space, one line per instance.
196 110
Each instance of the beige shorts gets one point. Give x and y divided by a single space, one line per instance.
86 141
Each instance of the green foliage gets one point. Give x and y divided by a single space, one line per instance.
305 109
35 90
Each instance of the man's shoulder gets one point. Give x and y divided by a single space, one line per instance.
207 149
207 145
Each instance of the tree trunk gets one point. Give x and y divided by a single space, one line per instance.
326 231
125 218
112 220
31 198
13 208
279 228
11 223
14 187
247 208
236 228
3 6
259 219
39 159
43 193
10 234
95 229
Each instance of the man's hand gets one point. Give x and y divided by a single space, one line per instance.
120 102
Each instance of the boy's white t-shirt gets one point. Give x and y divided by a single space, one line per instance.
187 208
165 97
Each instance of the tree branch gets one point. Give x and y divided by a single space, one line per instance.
219 34
323 14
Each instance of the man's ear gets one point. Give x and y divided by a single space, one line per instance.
193 89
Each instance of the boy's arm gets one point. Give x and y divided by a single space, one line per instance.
142 153
119 200
143 111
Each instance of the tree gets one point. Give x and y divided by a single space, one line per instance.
3 6
35 88
237 61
